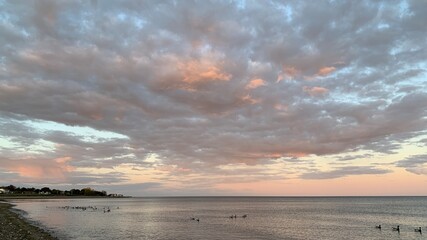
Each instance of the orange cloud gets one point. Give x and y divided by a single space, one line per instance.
255 83
195 71
316 91
325 71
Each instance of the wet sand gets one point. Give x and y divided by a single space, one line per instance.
13 226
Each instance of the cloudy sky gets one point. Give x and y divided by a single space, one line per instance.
154 98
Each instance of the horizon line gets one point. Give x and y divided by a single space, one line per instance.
274 196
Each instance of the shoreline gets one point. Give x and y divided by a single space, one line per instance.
15 226
5 197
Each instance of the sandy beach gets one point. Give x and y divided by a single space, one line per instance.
12 226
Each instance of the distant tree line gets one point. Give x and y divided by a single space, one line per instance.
47 191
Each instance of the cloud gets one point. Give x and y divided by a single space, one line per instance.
315 91
255 83
202 90
195 72
343 172
31 167
354 157
81 178
416 164
326 71
288 72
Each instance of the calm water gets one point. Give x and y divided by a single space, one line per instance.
268 218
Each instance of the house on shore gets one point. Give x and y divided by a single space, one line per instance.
4 191
115 195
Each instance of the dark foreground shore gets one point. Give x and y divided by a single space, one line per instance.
12 226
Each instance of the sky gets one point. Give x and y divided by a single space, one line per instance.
197 98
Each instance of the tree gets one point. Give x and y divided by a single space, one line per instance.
75 192
56 192
46 190
88 191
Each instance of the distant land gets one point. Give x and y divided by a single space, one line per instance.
12 190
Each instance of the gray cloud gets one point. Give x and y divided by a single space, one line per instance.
344 171
415 164
354 157
96 179
173 77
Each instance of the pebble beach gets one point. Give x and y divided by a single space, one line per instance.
14 227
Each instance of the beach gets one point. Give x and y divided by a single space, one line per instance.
13 226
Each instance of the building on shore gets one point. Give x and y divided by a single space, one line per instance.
4 191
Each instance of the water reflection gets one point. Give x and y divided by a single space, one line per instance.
266 218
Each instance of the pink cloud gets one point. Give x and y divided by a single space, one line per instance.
325 71
40 168
280 107
315 91
288 72
248 98
201 71
255 83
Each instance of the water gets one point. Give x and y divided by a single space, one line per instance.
268 217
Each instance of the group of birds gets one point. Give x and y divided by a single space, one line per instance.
419 229
232 216
84 208
235 216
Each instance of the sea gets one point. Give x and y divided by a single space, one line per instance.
229 217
